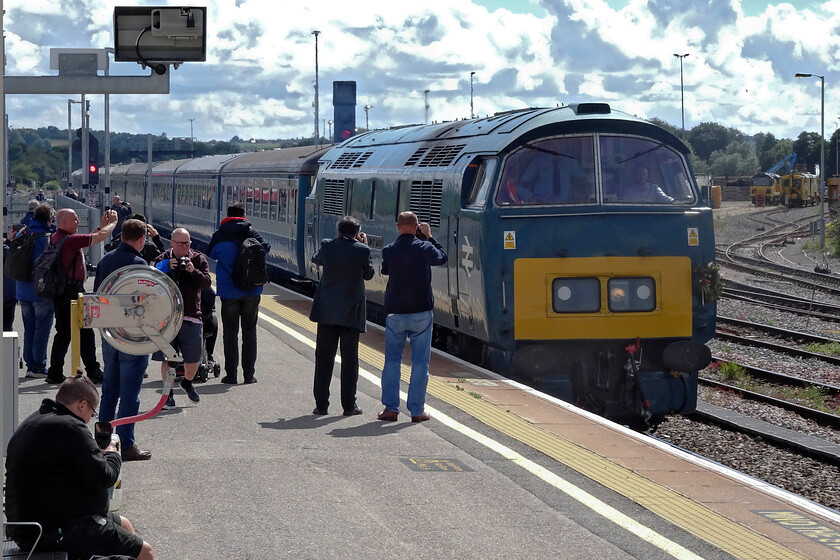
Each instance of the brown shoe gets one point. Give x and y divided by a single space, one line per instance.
134 453
422 418
388 415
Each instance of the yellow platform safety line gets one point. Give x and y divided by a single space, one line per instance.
728 535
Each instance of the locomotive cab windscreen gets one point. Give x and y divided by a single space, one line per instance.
563 170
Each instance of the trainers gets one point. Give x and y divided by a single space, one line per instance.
36 374
170 403
187 386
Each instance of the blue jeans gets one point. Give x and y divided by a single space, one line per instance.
37 324
417 327
122 380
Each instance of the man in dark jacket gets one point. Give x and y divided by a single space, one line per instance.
409 305
238 306
190 271
37 311
123 374
57 476
340 309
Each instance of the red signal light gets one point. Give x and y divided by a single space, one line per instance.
92 169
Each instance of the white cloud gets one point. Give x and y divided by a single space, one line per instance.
260 71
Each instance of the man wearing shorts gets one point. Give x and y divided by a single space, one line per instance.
190 271
57 476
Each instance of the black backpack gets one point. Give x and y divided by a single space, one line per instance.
250 272
50 279
19 259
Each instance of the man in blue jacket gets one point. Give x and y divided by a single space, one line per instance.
238 306
37 312
340 309
409 305
122 377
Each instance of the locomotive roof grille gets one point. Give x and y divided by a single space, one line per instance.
438 156
350 159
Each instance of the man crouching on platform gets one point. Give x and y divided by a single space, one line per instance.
56 475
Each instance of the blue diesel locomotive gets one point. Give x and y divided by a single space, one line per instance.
578 243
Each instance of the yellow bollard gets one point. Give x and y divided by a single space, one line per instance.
76 323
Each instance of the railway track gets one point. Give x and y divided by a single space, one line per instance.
776 383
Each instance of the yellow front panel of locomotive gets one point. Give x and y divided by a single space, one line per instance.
535 318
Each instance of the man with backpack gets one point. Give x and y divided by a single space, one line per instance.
37 311
71 262
240 274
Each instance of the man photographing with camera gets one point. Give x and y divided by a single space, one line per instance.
190 271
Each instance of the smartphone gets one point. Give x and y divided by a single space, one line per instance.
102 434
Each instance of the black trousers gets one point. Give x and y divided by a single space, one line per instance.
326 343
236 311
61 340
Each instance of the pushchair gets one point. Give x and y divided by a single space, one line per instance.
209 332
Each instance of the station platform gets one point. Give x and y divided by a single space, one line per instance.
501 471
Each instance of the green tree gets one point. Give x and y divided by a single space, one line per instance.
807 148
737 159
780 150
708 137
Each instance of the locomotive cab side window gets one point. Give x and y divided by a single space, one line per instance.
481 183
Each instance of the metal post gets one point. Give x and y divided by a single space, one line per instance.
85 151
106 187
682 91
367 121
192 143
69 145
822 163
149 187
472 114
317 135
426 101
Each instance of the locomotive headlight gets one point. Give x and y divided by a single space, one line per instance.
576 295
632 294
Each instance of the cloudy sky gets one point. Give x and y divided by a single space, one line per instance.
258 80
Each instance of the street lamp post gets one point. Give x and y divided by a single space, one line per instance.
426 102
682 91
70 143
329 122
317 135
472 114
837 148
822 154
192 148
367 122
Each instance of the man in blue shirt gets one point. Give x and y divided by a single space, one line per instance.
408 305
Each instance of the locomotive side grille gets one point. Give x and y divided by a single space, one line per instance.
334 197
441 156
415 157
426 197
346 160
362 159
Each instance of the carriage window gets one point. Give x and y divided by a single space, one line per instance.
265 198
641 171
554 171
293 205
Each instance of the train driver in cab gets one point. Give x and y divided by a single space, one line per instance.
639 189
